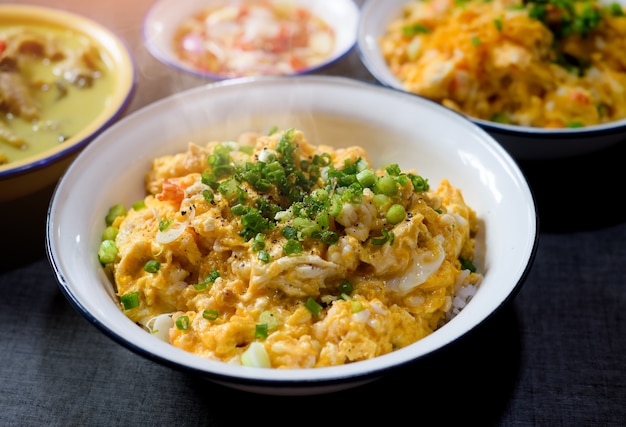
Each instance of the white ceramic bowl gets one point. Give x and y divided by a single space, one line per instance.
415 132
523 142
43 168
166 16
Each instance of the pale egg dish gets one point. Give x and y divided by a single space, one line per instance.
271 251
547 64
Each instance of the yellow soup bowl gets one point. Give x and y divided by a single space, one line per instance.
63 79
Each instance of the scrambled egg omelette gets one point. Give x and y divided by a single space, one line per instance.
270 251
550 64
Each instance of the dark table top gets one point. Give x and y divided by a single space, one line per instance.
554 356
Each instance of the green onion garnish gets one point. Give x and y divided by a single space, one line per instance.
107 252
110 233
264 256
182 323
260 330
396 214
210 314
114 212
345 287
165 223
270 319
213 275
414 29
313 306
152 266
256 356
130 300
292 247
466 264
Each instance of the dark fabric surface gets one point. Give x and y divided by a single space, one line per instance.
555 355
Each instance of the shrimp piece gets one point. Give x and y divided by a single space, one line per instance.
171 192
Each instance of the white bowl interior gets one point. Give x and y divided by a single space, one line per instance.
165 16
414 132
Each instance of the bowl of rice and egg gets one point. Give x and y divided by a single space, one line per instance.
287 247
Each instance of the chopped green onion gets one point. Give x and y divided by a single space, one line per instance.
270 319
396 214
130 300
356 306
228 188
306 227
336 206
210 314
501 118
387 185
345 297
212 277
114 212
393 169
367 178
575 125
387 236
201 286
247 149
292 247
208 196
110 233
165 223
289 232
402 180
182 323
256 356
239 210
419 183
107 252
260 330
345 287
258 243
139 205
380 200
498 23
313 306
330 237
411 30
152 266
320 195
379 241
264 256
615 9
466 264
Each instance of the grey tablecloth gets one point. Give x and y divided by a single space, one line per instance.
554 356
